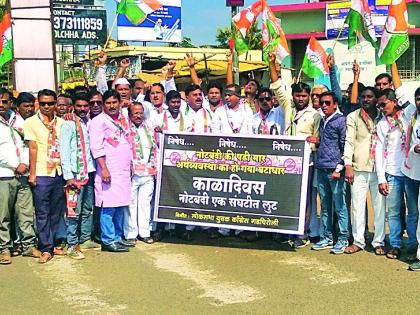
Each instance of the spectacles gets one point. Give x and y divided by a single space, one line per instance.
417 99
328 103
4 101
262 99
95 102
46 103
382 105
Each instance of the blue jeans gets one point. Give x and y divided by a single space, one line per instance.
49 199
112 220
83 220
332 194
393 203
412 190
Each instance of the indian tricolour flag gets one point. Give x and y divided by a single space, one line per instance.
6 49
315 60
360 24
394 41
136 11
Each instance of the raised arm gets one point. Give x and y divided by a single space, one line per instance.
335 86
354 97
229 70
124 64
100 77
189 59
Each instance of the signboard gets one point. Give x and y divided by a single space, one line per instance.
234 3
241 182
79 26
336 13
74 2
157 21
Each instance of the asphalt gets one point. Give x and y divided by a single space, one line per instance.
223 276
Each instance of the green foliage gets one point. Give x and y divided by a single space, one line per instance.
253 38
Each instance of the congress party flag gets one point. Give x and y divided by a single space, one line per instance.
315 60
6 48
394 41
136 11
360 24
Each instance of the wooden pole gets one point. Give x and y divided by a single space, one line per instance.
112 29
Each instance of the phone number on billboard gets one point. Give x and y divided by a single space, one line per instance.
78 23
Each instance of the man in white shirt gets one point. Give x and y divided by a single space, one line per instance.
144 158
16 195
389 156
234 116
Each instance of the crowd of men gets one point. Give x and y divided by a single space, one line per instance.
85 163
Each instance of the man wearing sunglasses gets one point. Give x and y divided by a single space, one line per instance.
16 195
95 104
331 184
269 120
42 131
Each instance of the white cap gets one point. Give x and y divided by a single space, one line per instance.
122 81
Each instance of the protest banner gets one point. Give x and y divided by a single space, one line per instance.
247 182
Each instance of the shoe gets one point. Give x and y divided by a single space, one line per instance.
89 245
415 266
114 248
126 243
323 244
75 253
59 251
5 258
45 257
187 236
280 238
411 254
339 247
32 252
147 240
300 243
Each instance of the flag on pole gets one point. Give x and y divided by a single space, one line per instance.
315 60
241 24
6 48
273 37
136 11
394 41
360 24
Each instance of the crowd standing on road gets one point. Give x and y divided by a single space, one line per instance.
79 173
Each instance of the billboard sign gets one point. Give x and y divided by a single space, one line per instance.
150 20
336 13
79 26
74 2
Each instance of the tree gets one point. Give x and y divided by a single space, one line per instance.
185 43
253 38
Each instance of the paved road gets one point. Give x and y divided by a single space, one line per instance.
227 276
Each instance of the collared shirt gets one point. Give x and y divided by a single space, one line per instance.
69 152
411 164
227 120
274 122
36 131
147 165
389 153
166 122
13 149
359 137
200 120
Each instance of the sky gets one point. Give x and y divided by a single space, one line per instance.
200 18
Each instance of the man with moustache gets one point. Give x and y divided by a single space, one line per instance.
95 103
25 104
360 172
110 146
42 131
389 156
64 105
16 195
269 120
78 172
144 159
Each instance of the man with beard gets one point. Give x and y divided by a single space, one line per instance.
78 172
42 131
25 103
64 105
301 119
360 172
389 156
16 196
110 146
144 158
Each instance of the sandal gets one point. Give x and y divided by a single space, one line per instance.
5 258
352 249
393 253
379 250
